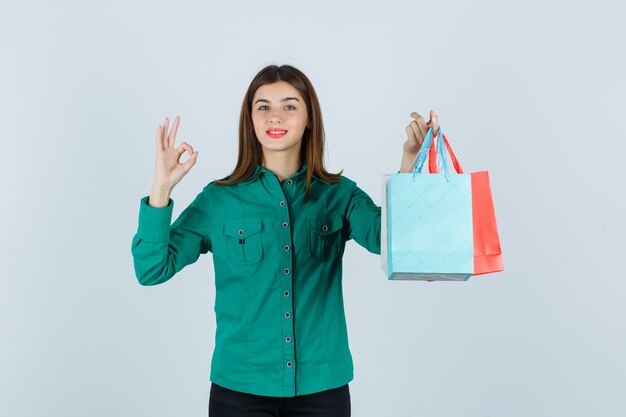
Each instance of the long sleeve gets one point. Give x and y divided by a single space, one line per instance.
364 218
160 250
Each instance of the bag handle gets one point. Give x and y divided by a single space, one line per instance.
432 158
428 147
421 155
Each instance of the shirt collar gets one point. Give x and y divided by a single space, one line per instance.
301 172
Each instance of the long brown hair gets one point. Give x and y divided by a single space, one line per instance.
313 139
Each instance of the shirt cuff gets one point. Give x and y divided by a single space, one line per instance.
154 222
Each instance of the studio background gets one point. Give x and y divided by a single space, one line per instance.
531 91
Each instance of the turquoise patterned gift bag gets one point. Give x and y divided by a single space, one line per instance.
427 219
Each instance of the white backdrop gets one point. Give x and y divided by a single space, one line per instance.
531 91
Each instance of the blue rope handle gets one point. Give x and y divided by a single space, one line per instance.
442 155
423 153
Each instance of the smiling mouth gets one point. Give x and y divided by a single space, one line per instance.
275 133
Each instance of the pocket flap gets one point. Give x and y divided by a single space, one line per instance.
326 224
242 228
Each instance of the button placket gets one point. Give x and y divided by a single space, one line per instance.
286 292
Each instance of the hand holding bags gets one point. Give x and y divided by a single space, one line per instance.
438 226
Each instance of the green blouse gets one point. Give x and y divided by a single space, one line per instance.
280 320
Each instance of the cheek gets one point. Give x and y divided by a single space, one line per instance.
255 124
299 121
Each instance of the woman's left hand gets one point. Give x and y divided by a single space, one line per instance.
416 131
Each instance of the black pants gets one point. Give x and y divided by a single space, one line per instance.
224 402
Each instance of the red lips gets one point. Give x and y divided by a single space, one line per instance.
275 135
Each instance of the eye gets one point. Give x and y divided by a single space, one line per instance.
289 105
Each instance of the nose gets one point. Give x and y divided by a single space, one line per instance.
275 117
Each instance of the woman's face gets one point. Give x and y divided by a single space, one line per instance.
279 107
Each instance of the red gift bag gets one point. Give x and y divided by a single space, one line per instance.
487 251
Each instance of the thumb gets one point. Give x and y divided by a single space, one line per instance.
191 161
434 120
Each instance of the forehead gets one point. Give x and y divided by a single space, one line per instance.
276 91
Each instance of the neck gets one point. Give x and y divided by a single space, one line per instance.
282 167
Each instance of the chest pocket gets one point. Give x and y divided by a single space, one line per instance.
244 245
325 237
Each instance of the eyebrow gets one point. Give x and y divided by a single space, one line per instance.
284 99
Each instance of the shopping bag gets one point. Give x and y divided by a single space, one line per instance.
438 226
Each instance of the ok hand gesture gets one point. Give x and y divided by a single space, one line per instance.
168 170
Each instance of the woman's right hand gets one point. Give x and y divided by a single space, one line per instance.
168 170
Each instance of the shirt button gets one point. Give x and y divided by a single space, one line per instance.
289 364
324 228
286 293
286 271
282 203
287 315
285 224
289 182
240 232
286 247
287 339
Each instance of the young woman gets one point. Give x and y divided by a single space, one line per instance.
277 228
